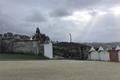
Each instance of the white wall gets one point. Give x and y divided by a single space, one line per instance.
48 50
119 55
94 55
104 56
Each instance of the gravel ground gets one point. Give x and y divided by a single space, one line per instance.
59 70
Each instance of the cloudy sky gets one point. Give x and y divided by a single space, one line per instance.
86 20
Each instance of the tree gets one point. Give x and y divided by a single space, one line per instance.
45 38
38 34
40 37
37 30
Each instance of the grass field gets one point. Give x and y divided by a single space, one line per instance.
59 70
20 56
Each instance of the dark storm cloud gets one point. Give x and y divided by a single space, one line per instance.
60 13
24 16
36 17
5 22
59 4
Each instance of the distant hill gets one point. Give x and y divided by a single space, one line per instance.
104 45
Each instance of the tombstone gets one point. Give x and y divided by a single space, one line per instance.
93 54
118 51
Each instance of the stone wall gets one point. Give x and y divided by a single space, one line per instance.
0 45
28 47
6 46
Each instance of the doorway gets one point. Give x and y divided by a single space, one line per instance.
113 56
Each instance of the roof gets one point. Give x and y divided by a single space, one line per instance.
117 48
100 48
92 49
106 46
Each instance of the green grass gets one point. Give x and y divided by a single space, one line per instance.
20 56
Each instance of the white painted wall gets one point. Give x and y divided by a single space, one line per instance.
104 56
48 50
94 55
107 56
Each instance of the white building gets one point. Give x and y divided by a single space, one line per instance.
118 49
93 54
103 55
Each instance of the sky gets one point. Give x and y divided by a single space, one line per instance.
86 20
